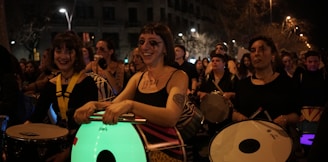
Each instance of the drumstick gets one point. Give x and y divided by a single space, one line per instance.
268 115
217 86
134 121
256 113
124 118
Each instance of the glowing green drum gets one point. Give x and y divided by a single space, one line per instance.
100 142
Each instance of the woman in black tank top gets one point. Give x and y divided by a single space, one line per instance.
157 95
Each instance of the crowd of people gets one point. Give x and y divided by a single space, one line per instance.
76 81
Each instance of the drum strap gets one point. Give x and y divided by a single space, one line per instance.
64 98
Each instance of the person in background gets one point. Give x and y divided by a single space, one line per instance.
137 60
205 62
157 94
288 62
11 98
46 73
107 65
66 56
31 73
245 68
200 71
221 83
189 68
222 49
137 63
312 82
272 94
87 54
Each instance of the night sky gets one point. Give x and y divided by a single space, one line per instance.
314 12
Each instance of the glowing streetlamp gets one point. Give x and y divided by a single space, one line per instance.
68 18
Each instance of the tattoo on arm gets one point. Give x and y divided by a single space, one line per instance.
179 99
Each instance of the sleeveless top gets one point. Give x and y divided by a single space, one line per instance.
157 135
158 98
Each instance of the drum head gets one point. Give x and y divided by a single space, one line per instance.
214 108
250 141
102 142
36 131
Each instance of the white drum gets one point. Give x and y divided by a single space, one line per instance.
251 141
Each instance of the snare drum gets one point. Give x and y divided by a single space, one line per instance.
215 108
250 141
34 141
123 141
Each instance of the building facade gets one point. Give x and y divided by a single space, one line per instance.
118 19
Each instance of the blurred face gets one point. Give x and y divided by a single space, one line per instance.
217 63
102 49
85 53
261 55
137 60
29 68
179 53
219 50
22 65
287 61
312 63
205 62
152 49
44 60
64 58
247 62
199 65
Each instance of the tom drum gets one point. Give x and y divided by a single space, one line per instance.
250 141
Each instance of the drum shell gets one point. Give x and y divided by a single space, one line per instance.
123 141
34 142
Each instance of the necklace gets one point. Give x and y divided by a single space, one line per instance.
66 79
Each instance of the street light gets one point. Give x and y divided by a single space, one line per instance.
68 18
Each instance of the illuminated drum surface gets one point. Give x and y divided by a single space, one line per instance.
95 142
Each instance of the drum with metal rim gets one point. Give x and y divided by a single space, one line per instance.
250 141
125 141
34 141
215 108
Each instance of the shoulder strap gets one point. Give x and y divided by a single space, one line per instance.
171 77
63 99
140 78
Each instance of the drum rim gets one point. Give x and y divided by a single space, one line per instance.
233 123
204 114
20 138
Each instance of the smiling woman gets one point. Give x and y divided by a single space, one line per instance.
70 89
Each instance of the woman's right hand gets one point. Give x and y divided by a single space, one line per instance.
82 114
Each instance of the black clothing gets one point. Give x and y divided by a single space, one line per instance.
82 92
226 83
156 99
277 97
313 87
191 71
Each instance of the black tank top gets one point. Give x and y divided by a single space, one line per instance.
156 98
